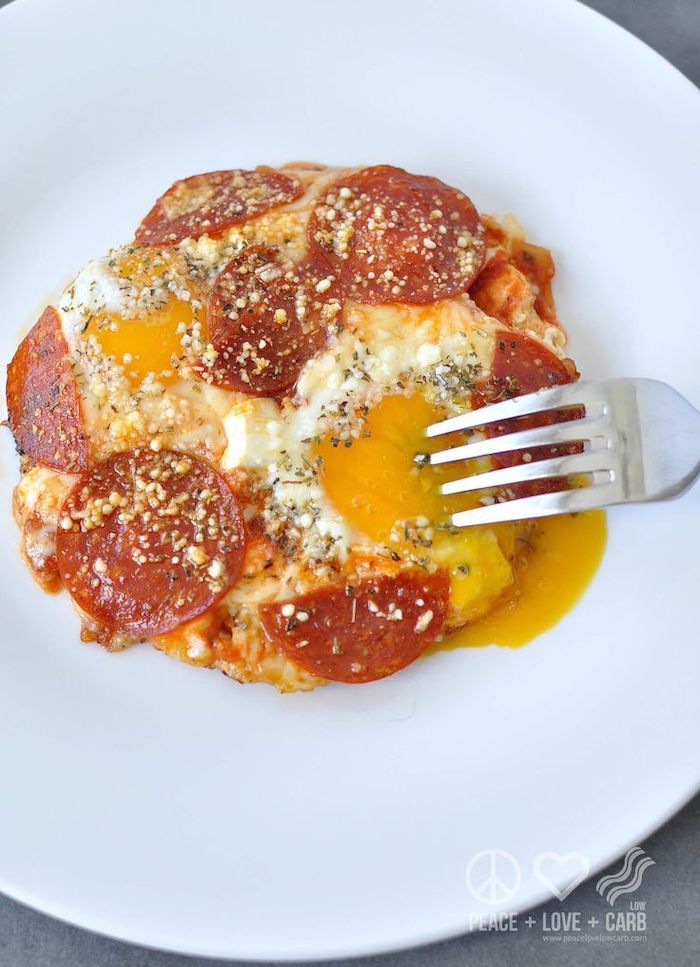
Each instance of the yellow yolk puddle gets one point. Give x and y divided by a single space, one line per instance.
147 345
509 581
550 577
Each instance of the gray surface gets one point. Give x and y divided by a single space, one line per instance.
670 889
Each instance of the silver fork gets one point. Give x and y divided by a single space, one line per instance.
641 442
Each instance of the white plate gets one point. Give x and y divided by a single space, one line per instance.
172 807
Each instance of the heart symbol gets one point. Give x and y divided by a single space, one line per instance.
552 868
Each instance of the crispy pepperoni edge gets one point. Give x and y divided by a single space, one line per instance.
43 406
515 263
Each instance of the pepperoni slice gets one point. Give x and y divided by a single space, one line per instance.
396 237
360 632
267 317
523 365
210 203
42 399
147 541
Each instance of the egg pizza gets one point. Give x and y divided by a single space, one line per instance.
221 423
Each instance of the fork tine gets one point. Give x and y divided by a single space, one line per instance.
542 505
572 394
538 470
573 431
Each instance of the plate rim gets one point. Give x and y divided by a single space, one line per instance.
142 937
360 950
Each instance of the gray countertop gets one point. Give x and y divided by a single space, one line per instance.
670 889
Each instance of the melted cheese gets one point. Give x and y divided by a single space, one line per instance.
37 502
332 471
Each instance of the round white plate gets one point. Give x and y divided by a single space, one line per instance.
169 806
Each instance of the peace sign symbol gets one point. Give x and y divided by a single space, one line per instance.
493 876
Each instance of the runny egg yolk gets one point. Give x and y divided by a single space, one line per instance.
552 572
376 481
381 491
152 344
508 582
